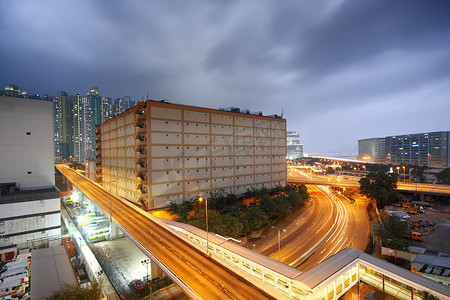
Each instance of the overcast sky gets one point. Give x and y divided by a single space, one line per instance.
339 70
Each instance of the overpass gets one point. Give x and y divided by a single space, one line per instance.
221 269
353 182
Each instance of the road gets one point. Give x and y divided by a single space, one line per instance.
352 228
201 274
308 229
353 182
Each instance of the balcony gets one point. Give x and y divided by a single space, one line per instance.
98 157
141 153
139 117
140 131
98 142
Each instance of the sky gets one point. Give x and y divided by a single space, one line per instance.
337 70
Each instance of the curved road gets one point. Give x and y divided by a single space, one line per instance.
201 274
309 228
352 229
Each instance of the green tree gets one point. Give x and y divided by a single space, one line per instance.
255 217
380 186
75 292
444 176
181 211
230 226
393 227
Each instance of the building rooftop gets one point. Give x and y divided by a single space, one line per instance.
30 195
50 269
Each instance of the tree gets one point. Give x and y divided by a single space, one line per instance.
182 211
76 292
393 232
380 186
255 217
444 176
393 227
230 226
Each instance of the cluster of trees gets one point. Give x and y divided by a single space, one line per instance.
444 176
393 232
76 292
230 216
381 187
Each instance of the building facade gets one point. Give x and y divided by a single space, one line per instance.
29 200
430 149
294 148
158 152
372 150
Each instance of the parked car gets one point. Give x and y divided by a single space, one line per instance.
137 285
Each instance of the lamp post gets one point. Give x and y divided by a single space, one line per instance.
147 262
279 242
110 192
207 238
404 173
429 160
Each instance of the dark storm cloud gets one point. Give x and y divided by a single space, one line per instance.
340 70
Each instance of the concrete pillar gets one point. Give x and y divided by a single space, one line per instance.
114 229
421 197
156 271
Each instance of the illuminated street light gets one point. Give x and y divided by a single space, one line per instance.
147 262
207 239
279 244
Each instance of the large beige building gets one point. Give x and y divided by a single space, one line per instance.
158 152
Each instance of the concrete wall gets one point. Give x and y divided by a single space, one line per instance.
26 147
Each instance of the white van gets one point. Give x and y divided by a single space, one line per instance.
12 288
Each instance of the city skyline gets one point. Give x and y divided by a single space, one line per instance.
339 71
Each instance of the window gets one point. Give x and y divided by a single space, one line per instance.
28 133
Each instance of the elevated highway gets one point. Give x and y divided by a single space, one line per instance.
230 271
199 276
353 182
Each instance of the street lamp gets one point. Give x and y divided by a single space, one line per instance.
206 205
147 262
404 173
110 192
279 244
429 160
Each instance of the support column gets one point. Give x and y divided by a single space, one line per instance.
114 230
156 271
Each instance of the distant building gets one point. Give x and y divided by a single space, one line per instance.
84 131
426 149
372 150
29 200
294 148
64 129
122 104
159 152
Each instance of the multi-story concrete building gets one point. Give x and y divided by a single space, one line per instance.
84 132
158 152
430 149
427 149
372 150
29 201
294 148
63 106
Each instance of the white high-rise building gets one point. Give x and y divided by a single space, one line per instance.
83 129
29 200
